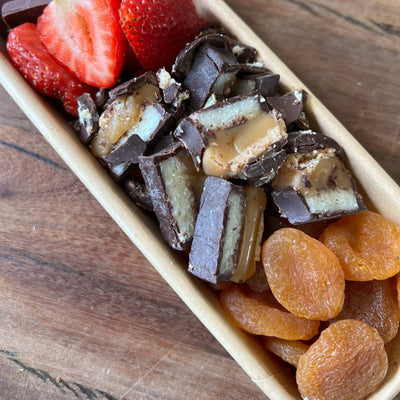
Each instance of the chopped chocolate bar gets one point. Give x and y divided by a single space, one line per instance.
213 71
124 114
216 241
88 118
133 85
264 83
120 171
224 138
172 91
263 169
153 122
313 184
3 25
308 141
291 106
169 180
17 12
101 98
184 62
138 192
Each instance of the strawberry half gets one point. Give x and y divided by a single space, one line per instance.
158 29
31 59
85 37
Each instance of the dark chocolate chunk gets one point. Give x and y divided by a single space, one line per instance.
315 185
291 106
126 150
194 137
214 252
308 141
101 98
291 205
172 92
88 118
3 25
133 85
263 169
265 84
212 123
184 62
213 71
138 192
168 176
17 12
120 171
160 144
154 121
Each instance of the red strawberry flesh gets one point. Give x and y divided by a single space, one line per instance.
31 59
85 37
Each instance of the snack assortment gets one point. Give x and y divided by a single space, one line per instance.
202 137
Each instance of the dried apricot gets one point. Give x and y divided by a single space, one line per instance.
288 350
261 314
347 362
375 303
367 245
303 274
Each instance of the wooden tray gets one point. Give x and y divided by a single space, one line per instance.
382 194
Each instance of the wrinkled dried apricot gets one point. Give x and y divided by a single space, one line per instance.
367 245
375 303
303 274
261 314
348 361
288 350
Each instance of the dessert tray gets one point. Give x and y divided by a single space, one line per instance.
380 194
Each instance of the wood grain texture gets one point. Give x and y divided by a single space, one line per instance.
84 316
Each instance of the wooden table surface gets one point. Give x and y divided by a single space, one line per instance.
82 314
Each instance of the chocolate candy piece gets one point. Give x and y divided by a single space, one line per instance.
101 98
3 25
313 184
225 137
308 141
262 170
88 118
138 192
17 12
172 91
131 86
169 176
214 252
122 117
264 83
184 61
213 71
120 171
153 121
291 106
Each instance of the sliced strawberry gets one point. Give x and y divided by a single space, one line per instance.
31 59
158 29
85 37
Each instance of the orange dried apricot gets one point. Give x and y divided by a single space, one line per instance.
375 303
303 274
367 245
288 350
347 362
261 314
